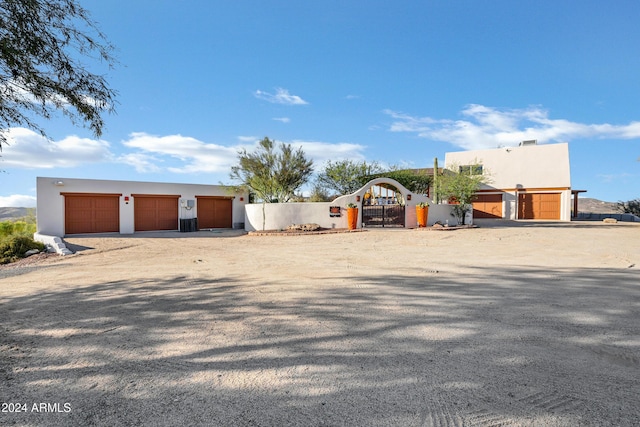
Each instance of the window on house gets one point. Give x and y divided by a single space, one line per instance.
471 170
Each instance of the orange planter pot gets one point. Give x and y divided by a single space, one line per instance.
352 218
422 213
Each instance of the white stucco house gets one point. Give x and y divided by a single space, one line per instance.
77 206
530 181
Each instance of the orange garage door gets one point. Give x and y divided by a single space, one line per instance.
487 206
215 212
539 206
153 212
91 213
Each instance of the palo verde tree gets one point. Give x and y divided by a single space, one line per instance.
460 186
272 175
346 176
43 48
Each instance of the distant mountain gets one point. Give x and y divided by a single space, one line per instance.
588 205
15 213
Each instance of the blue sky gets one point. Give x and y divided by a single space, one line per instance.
397 82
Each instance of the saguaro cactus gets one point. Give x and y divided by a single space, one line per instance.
435 180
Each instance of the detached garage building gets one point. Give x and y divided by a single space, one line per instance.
77 206
530 181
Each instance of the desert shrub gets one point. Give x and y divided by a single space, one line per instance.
21 227
459 212
16 246
631 206
8 229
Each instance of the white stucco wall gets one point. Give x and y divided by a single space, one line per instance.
529 166
510 170
50 203
279 216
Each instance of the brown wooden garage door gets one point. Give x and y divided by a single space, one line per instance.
487 206
215 212
539 206
91 213
155 212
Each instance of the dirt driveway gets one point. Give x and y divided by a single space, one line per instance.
506 324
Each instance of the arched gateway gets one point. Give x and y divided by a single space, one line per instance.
395 204
384 202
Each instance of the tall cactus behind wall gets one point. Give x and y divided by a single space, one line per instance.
435 181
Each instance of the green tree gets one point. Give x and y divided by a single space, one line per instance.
415 181
272 175
631 207
347 176
319 194
41 46
461 187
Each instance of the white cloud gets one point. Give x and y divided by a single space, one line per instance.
16 89
29 150
18 201
281 96
143 163
248 139
282 119
150 153
487 127
321 152
197 155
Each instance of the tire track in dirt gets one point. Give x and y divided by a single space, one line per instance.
552 402
440 412
537 404
486 418
616 355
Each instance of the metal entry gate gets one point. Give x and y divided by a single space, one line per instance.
383 216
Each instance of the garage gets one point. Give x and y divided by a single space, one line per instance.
487 206
215 212
153 212
91 213
539 206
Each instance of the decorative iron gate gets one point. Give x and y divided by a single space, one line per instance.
383 216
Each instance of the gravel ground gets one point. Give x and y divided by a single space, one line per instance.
508 324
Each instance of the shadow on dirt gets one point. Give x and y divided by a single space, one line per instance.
518 346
